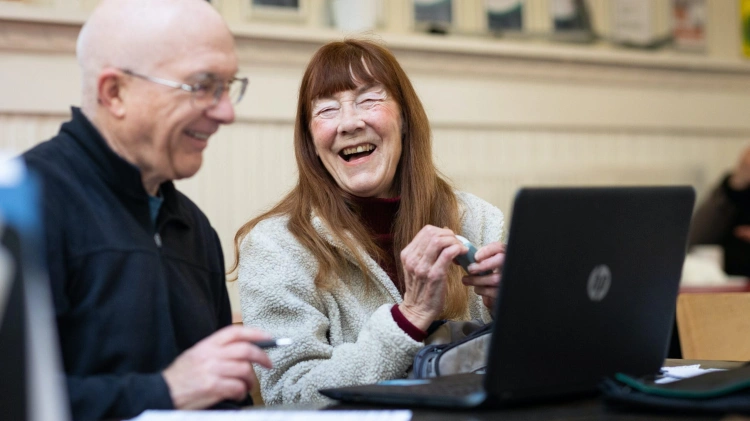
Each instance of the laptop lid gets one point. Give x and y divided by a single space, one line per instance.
589 287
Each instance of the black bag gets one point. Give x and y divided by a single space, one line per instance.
715 392
453 348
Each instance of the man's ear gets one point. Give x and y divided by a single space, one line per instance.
111 89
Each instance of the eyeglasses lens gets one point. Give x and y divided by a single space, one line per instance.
237 90
202 99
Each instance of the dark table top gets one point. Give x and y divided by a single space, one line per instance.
580 409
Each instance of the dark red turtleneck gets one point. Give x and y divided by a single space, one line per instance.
379 215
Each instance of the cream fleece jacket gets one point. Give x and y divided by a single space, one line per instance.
344 335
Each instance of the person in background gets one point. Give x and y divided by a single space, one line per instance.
356 262
724 218
136 270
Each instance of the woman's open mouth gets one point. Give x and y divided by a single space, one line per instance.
357 152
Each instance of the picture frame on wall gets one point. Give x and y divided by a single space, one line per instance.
434 16
504 16
571 21
290 10
689 29
356 16
634 23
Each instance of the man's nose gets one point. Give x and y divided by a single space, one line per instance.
223 111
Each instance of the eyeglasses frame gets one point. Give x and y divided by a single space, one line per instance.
217 94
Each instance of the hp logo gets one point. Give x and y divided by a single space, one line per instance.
599 282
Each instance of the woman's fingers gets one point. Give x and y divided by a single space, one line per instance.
489 258
489 250
489 292
742 232
426 261
428 249
486 287
493 263
491 280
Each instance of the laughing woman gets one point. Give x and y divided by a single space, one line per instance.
356 262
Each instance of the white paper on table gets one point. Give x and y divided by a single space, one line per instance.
271 415
673 374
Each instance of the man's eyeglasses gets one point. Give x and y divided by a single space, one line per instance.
206 92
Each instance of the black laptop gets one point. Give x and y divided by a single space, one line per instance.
588 289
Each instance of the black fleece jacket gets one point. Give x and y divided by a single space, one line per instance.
129 297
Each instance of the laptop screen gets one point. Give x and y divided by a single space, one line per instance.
589 286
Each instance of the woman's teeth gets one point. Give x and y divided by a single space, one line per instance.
358 149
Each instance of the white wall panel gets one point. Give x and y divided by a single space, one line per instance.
504 115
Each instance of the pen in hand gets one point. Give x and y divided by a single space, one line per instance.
271 343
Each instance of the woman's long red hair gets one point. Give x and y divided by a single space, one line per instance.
426 198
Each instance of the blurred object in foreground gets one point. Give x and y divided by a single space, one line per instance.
32 384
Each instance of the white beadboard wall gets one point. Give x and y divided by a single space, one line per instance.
504 114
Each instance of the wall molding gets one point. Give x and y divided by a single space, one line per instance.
504 113
36 29
38 37
704 133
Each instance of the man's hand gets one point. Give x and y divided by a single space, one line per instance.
488 258
742 232
740 178
216 368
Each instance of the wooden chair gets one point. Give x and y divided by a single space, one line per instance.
714 326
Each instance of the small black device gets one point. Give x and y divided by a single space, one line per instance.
466 259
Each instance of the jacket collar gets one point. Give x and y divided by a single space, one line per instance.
121 176
322 229
381 277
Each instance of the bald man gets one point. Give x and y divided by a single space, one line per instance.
136 269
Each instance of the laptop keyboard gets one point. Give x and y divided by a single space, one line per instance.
433 389
460 390
461 385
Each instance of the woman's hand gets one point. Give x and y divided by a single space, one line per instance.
488 258
426 261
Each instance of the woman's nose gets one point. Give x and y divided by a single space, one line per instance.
351 120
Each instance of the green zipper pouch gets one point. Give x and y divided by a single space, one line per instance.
709 385
715 392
